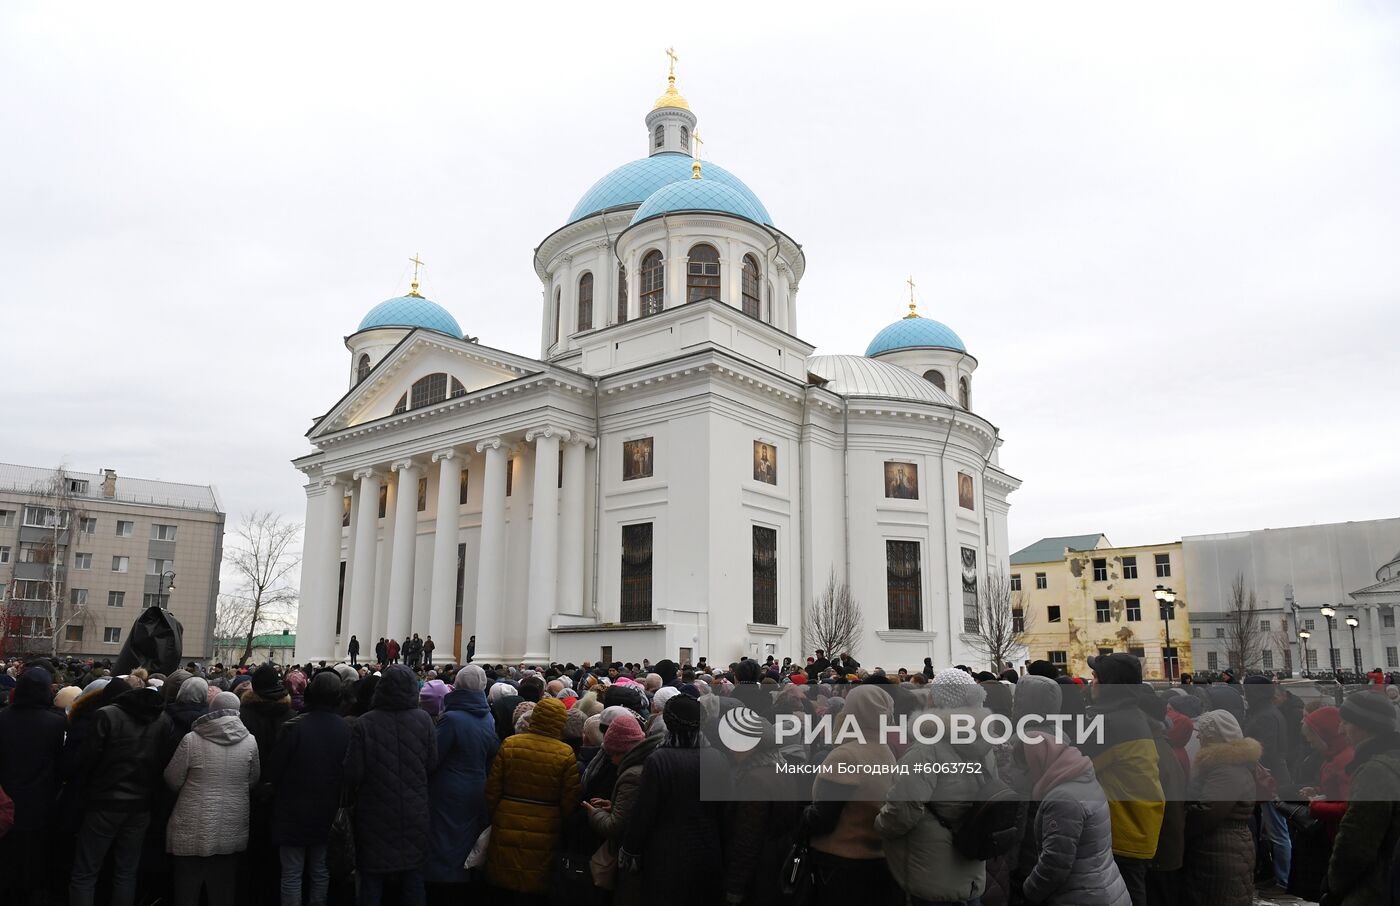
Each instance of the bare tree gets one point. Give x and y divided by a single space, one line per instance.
1244 639
263 558
834 623
41 605
1002 622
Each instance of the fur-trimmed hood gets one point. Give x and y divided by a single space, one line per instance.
1240 751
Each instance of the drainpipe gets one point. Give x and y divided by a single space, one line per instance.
597 499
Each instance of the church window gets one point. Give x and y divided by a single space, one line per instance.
462 489
422 501
904 584
636 572
753 305
362 368
685 139
428 390
765 575
621 294
658 137
653 285
702 274
401 405
585 302
935 377
964 393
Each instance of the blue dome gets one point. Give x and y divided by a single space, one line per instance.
911 333
412 311
699 195
633 182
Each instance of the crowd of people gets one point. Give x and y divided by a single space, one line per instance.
586 784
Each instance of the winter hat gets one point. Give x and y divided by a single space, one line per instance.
499 691
1326 722
324 690
193 691
1369 711
1218 726
171 689
663 697
612 713
224 701
296 682
431 695
346 673
1117 668
954 688
682 715
667 670
1188 705
573 724
471 677
593 730
524 709
622 736
267 684
1036 695
65 696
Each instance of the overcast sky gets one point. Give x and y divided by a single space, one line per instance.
1171 238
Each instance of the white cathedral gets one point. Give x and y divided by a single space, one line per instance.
676 475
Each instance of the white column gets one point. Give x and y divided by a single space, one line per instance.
573 524
383 560
320 573
1374 627
733 271
568 308
442 610
403 619
490 574
361 618
544 544
604 287
634 287
675 275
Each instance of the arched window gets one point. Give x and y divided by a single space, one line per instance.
753 305
430 389
965 393
685 138
653 283
362 368
935 377
585 302
558 308
702 274
621 294
658 137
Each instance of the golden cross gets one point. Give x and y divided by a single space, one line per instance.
912 312
671 52
417 263
698 141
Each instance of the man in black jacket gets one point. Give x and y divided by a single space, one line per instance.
1265 723
122 763
32 734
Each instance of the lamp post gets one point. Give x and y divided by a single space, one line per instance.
1303 636
1330 613
1166 606
1352 623
164 585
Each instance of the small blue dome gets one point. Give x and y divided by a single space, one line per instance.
412 311
633 182
912 333
698 195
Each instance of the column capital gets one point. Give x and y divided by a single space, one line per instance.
578 437
444 455
495 443
403 465
546 431
361 474
328 482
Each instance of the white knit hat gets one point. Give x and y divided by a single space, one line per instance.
1218 726
954 688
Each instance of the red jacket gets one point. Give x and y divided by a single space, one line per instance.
393 649
1334 782
1179 730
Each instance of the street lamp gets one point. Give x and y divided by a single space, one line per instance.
165 584
1303 636
1166 607
1352 623
1330 613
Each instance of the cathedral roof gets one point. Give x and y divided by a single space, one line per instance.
411 310
914 332
634 182
700 195
858 376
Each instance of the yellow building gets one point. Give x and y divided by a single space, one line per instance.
1080 596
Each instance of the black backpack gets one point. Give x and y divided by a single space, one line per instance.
992 824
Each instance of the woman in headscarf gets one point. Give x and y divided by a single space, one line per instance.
627 747
673 838
1219 864
466 743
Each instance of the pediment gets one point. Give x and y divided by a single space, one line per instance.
422 353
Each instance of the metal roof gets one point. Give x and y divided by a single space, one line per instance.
25 479
635 181
1049 550
857 376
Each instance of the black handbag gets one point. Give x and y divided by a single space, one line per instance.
1312 850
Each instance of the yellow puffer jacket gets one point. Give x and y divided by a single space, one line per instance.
532 787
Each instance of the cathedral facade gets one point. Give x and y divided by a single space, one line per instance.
676 474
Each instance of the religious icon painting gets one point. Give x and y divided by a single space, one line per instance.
637 458
965 494
765 462
901 481
422 494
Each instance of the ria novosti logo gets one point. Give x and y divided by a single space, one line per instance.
741 729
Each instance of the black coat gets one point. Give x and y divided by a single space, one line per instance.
306 769
1266 724
31 740
503 711
264 719
122 754
392 751
676 834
